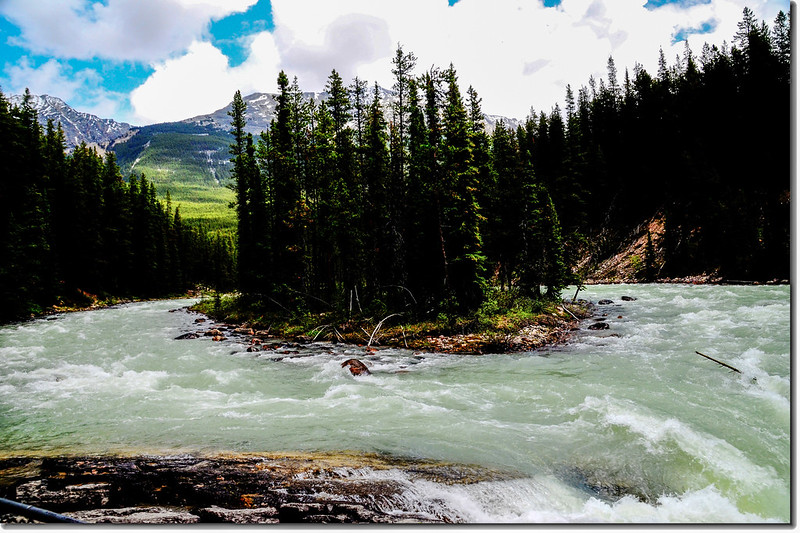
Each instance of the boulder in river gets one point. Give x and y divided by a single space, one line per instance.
628 299
189 335
599 325
213 333
605 302
357 368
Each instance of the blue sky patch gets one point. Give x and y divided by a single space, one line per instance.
683 33
552 3
655 4
224 32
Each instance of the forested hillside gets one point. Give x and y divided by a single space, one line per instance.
340 209
704 142
191 163
72 229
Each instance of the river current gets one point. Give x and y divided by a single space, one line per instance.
626 424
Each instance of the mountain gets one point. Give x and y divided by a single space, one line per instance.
188 159
261 112
191 162
78 127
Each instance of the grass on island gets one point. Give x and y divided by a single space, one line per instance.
493 328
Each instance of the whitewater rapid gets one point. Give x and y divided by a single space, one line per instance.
626 424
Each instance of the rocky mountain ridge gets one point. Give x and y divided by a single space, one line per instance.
78 126
104 133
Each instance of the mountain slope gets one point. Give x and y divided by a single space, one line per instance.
190 159
261 112
78 126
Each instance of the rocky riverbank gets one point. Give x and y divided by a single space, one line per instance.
242 489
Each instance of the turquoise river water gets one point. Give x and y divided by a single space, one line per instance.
626 424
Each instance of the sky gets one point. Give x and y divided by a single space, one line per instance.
149 61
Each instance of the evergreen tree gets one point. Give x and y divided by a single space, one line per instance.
465 267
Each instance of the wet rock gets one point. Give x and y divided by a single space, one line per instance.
187 336
243 331
253 349
218 338
199 320
148 489
85 495
334 513
136 515
605 302
259 515
357 368
599 325
628 299
213 333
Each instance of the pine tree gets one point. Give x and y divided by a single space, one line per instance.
242 176
465 268
285 185
378 240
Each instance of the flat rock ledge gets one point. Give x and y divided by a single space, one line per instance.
239 489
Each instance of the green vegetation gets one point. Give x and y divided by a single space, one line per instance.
342 218
188 162
74 233
340 211
334 219
704 142
500 319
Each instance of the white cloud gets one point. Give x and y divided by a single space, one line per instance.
130 30
516 53
202 81
81 88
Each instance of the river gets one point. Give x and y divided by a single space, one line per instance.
626 424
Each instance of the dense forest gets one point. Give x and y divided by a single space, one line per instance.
342 206
705 143
73 230
339 208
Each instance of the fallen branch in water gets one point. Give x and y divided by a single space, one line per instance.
719 362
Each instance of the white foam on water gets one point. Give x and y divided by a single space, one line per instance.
546 499
661 436
628 410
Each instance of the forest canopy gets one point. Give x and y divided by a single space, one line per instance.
426 210
347 206
73 230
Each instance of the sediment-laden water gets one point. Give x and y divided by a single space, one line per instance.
626 424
